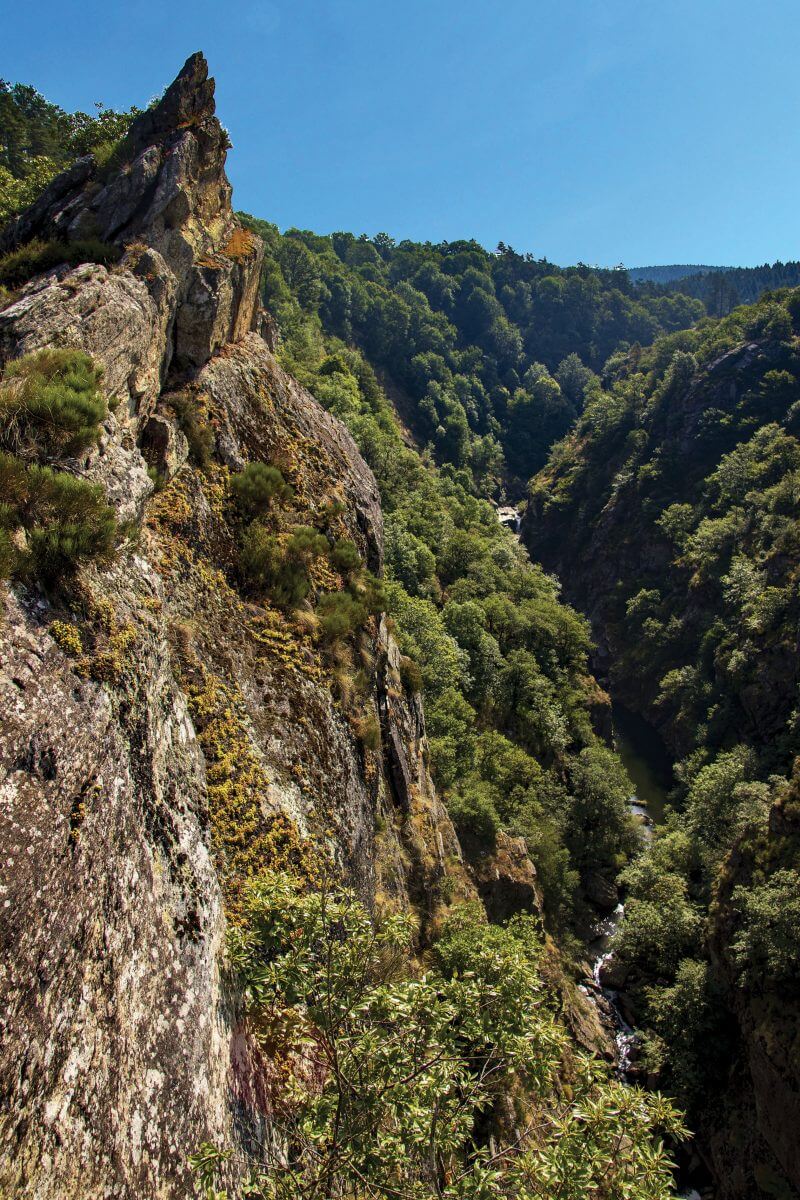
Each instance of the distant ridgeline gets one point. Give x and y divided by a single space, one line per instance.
668 274
721 289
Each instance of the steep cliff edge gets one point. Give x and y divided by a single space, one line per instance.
164 737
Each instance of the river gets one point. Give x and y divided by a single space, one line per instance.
647 762
649 768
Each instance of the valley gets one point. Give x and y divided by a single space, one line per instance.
399 671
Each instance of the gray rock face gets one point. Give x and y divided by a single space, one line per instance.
255 403
173 197
164 446
118 318
114 1051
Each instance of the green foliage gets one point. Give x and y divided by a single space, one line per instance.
468 337
50 522
340 614
257 486
398 1077
66 521
51 404
369 731
39 139
495 648
677 496
35 257
279 566
476 821
766 948
345 557
410 674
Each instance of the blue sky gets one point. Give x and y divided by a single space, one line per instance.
635 131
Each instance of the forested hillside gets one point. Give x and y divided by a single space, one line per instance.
671 512
39 139
671 273
512 712
721 289
490 356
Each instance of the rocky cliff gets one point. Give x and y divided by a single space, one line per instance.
164 737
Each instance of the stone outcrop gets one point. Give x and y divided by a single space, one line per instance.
507 881
160 711
169 196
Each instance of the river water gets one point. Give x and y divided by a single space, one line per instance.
647 762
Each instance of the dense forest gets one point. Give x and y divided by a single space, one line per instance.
720 288
503 662
669 274
490 355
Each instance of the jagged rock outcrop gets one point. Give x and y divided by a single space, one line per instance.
151 720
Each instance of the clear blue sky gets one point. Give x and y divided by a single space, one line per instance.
641 131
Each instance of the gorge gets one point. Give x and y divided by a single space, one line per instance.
312 785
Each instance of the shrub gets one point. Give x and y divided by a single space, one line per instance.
257 486
73 524
399 1074
280 567
410 674
765 945
7 554
340 615
345 557
476 821
260 556
306 544
67 521
369 731
51 404
36 256
372 593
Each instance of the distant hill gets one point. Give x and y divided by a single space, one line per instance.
721 289
670 273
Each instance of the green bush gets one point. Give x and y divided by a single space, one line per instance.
66 520
765 945
476 821
7 554
51 404
410 674
260 556
369 731
370 592
280 568
197 431
345 557
35 257
257 486
407 1071
340 615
